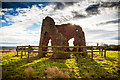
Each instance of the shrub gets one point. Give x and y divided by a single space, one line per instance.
29 72
55 72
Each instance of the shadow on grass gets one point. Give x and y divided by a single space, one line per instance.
111 63
92 69
85 69
10 69
15 68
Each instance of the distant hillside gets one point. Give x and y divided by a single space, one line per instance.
7 47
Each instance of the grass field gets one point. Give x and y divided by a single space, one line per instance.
15 67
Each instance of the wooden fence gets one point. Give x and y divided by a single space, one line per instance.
90 49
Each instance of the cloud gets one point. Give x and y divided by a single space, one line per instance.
62 5
16 33
93 9
78 15
101 36
115 38
25 27
109 22
110 4
2 20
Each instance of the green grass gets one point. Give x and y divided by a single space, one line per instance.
13 66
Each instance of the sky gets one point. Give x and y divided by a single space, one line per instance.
21 21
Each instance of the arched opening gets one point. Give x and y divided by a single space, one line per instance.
71 43
49 44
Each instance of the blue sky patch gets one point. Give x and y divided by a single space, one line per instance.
22 4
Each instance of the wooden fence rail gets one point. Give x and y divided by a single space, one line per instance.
91 49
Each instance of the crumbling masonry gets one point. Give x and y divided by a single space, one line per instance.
60 35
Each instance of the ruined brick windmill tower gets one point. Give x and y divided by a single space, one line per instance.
60 35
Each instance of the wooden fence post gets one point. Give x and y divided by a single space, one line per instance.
105 53
25 50
41 48
99 50
77 55
17 51
40 53
54 53
92 53
22 52
29 51
102 52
